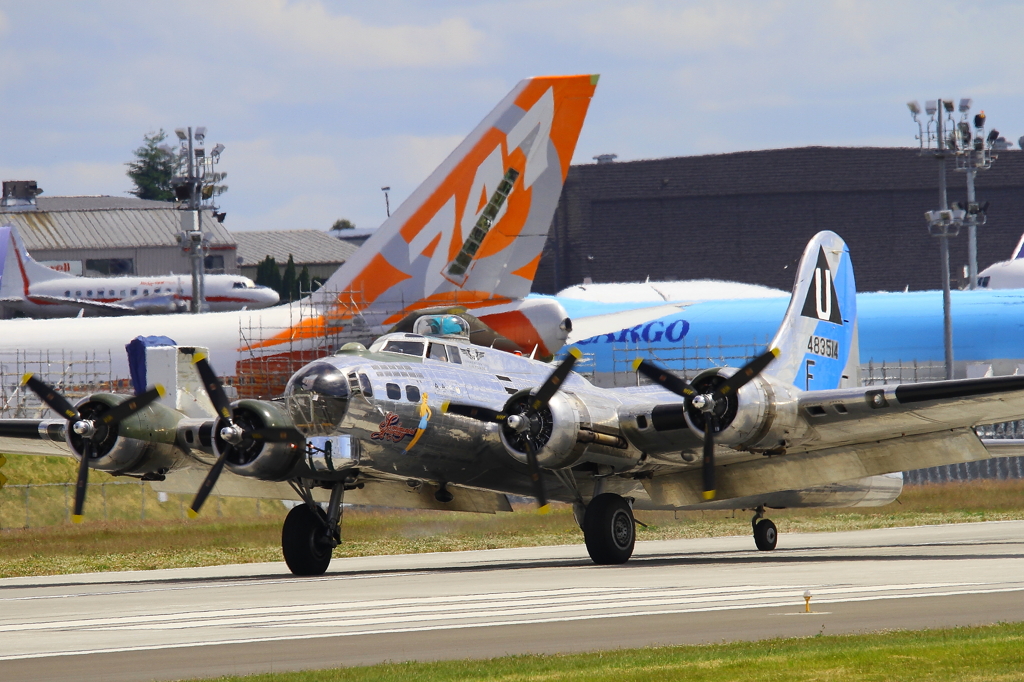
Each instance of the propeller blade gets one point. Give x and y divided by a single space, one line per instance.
207 486
119 413
49 395
550 387
213 386
83 481
269 435
708 469
747 372
538 483
484 414
664 378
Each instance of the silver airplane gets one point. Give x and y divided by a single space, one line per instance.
425 419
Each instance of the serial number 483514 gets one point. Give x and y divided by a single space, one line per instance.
828 348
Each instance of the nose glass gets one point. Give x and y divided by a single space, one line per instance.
317 398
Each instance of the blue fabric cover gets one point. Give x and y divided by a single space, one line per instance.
137 358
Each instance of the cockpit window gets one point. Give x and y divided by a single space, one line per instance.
404 347
238 285
453 355
437 352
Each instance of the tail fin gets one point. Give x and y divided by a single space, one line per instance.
474 230
818 336
19 270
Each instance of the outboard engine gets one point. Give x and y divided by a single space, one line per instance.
143 443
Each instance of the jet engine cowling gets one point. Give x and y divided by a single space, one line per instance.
140 444
258 458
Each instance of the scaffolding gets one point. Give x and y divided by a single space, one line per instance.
76 374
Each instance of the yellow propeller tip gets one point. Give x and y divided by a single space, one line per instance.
575 352
546 509
636 364
25 377
776 352
77 518
193 514
196 357
709 494
161 391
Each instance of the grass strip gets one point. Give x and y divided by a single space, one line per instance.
240 537
989 653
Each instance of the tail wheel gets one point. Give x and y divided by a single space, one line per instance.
609 529
304 542
766 535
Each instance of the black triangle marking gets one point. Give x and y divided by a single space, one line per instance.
822 302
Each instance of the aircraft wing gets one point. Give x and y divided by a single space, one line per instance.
846 434
33 437
99 306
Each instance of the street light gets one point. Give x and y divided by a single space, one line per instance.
193 183
941 223
387 204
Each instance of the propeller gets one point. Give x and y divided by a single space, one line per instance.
90 428
711 405
522 421
231 433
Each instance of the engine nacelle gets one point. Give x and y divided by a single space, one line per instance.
141 444
761 416
571 432
257 458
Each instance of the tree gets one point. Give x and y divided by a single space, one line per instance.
153 168
304 281
289 282
342 224
268 274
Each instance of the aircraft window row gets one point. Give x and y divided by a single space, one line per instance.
439 351
394 391
405 347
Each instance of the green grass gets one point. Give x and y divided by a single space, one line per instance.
990 654
239 537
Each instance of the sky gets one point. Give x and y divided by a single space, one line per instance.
321 103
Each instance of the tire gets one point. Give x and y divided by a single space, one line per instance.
303 541
609 529
766 535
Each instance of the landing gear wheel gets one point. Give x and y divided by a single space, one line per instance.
307 549
766 535
609 529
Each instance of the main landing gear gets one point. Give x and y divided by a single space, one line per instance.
766 535
310 534
609 529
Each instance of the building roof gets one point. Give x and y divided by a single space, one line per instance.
104 222
305 247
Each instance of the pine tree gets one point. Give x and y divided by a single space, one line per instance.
152 170
268 274
289 283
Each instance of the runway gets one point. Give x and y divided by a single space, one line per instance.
258 618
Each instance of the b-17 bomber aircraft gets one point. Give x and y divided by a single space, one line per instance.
426 419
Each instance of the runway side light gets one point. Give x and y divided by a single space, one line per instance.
807 601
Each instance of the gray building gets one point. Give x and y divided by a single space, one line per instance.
321 253
747 216
101 235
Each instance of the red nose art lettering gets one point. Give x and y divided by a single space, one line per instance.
391 429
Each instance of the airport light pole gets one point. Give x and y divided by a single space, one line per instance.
193 185
974 152
387 203
941 223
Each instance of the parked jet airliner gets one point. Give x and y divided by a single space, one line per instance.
470 236
37 291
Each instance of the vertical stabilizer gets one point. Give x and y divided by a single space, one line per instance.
818 336
20 270
473 232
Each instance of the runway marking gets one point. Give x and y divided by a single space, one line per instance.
530 621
